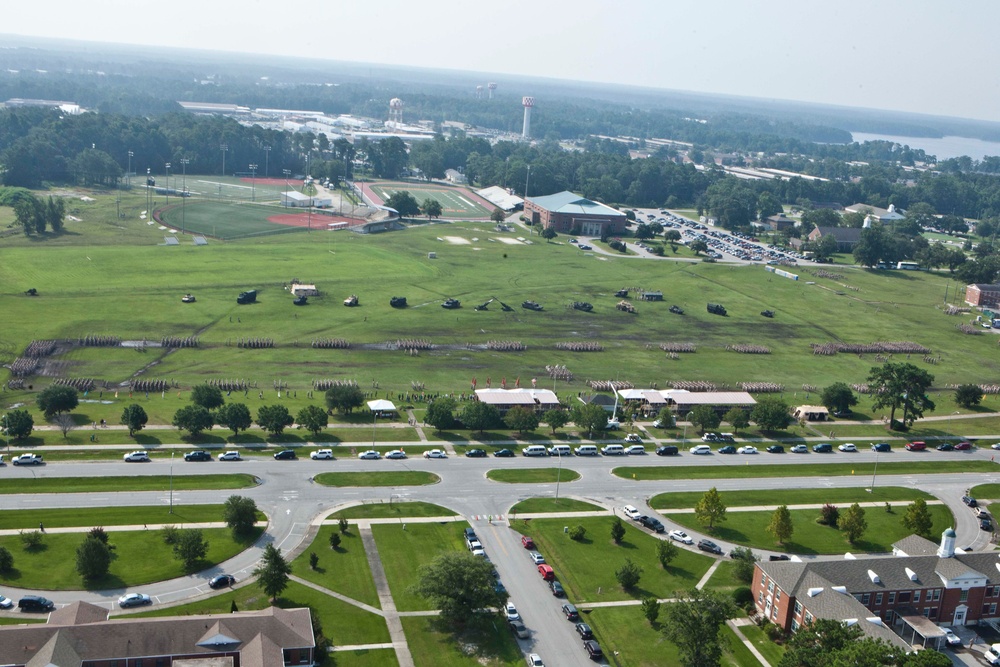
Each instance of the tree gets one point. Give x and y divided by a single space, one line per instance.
6 560
895 385
555 418
590 417
207 396
577 533
665 419
57 398
274 418
441 413
479 416
312 418
704 417
313 561
771 414
134 416
335 540
673 237
666 552
872 246
190 546
342 525
240 514
548 233
234 416
968 395
403 203
344 398
17 424
64 422
272 572
918 518
31 540
768 205
651 609
829 515
617 530
431 208
521 419
693 623
93 559
193 418
838 397
710 510
826 247
781 527
459 584
743 559
498 215
642 231
698 246
852 523
738 418
628 574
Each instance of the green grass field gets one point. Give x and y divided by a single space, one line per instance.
485 643
532 505
112 516
750 497
391 511
344 571
861 470
404 548
456 203
533 475
391 478
139 483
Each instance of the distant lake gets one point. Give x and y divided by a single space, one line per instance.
943 147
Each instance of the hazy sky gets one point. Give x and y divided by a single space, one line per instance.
926 56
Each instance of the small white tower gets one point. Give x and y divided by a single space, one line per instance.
947 548
492 86
396 111
479 92
527 103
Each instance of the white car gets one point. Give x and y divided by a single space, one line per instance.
633 437
535 660
613 424
680 536
230 456
511 612
799 449
27 460
395 454
631 512
136 457
435 454
370 454
847 447
322 455
635 449
6 603
536 557
995 445
951 638
133 600
747 449
701 449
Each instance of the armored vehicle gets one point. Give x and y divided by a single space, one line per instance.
530 305
451 304
249 296
583 305
677 310
716 309
351 301
398 302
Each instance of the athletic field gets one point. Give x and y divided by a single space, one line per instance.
234 220
456 203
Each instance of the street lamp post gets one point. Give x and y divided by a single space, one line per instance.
224 148
374 421
128 172
149 206
558 478
267 152
253 182
287 173
6 432
874 470
184 164
166 189
171 482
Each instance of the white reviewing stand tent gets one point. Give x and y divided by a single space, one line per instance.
381 406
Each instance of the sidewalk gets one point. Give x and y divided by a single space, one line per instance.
389 612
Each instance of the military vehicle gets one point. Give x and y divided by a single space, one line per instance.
31 292
301 300
451 304
398 302
676 310
484 306
351 301
504 307
622 293
530 305
583 305
249 296
767 313
625 306
188 298
716 309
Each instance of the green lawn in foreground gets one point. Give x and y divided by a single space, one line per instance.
140 557
486 643
860 469
343 623
537 505
722 578
388 478
751 498
772 652
391 510
112 516
587 568
749 529
987 491
379 657
344 571
138 483
405 547
533 475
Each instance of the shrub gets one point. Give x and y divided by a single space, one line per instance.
31 540
577 533
313 560
342 524
6 560
774 632
743 597
828 515
98 533
169 534
334 540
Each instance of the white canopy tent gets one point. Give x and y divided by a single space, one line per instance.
381 405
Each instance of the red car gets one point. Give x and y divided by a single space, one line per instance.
548 574
963 446
916 446
527 542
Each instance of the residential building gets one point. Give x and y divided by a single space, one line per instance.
982 295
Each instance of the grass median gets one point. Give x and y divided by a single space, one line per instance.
753 471
403 548
751 497
130 484
112 516
533 475
539 505
343 570
391 510
388 478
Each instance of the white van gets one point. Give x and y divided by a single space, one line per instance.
613 450
560 450
586 450
534 450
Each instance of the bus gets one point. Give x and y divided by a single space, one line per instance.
908 266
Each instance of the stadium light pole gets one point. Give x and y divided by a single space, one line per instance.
224 147
128 172
184 164
253 182
267 152
149 207
166 189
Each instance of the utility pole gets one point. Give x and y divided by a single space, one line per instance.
167 188
128 172
253 182
184 164
267 152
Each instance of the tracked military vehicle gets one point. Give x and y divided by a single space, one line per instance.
398 302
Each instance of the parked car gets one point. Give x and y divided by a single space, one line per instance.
710 437
222 581
504 453
519 630
198 455
946 447
963 446
775 449
727 449
536 557
527 542
709 546
881 447
231 455
35 603
371 454
134 600
747 449
847 447
285 455
631 512
651 522
950 638
535 660
6 603
635 450
701 449
546 572
778 557
680 536
470 534
970 501
799 449
557 589
985 523
136 457
633 438
322 455
584 631
667 450
510 611
995 445
823 448
593 649
435 454
395 454
916 446
476 453
570 612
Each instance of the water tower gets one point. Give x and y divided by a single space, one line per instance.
527 103
479 92
492 86
396 111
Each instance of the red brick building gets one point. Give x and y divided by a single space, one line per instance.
901 599
569 213
983 296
